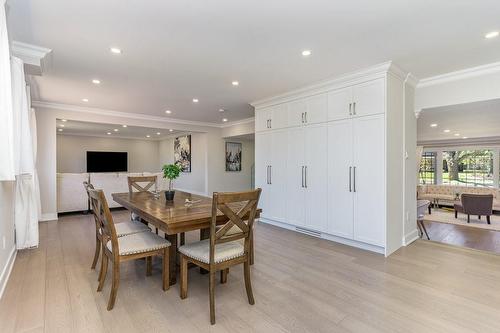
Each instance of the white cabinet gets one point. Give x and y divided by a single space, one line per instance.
270 172
274 117
306 190
311 110
369 179
360 100
340 199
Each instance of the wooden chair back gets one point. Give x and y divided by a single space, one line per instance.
88 186
222 202
105 219
137 181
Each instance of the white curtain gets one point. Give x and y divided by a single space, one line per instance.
6 129
26 201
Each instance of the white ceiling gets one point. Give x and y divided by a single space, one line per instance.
176 50
471 120
71 127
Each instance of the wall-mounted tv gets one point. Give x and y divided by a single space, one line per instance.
106 161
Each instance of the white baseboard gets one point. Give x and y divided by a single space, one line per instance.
48 217
4 277
333 238
410 237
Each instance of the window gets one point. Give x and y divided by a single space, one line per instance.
427 174
468 168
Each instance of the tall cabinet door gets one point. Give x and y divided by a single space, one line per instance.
295 190
340 186
262 117
316 170
262 163
277 174
317 109
369 179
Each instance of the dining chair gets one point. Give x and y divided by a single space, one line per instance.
475 204
141 184
130 247
122 229
221 250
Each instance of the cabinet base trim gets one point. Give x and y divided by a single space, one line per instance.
337 239
410 237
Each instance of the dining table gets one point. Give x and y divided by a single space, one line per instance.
187 212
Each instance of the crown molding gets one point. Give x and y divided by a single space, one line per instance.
486 142
412 80
460 75
239 122
32 55
344 80
112 113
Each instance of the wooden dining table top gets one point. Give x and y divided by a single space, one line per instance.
175 216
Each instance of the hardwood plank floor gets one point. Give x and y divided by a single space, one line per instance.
301 284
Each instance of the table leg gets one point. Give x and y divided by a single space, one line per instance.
173 258
204 234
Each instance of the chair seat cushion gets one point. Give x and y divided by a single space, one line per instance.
129 228
223 251
140 243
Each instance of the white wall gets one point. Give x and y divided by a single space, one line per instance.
71 152
6 230
410 128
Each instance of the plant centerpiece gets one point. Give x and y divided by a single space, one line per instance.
171 172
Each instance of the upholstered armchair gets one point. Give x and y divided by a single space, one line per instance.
475 204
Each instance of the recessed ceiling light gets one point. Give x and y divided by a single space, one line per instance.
492 34
124 125
434 125
116 130
62 125
109 133
224 119
306 53
96 81
168 112
457 134
446 131
195 100
465 137
170 130
221 110
63 120
85 100
148 136
115 50
60 130
158 133
235 83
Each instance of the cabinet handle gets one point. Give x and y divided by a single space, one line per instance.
354 180
305 176
302 174
270 123
306 116
350 109
354 108
350 173
267 174
270 174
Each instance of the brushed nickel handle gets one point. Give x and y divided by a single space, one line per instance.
354 107
302 174
350 173
271 174
306 116
350 109
354 180
305 176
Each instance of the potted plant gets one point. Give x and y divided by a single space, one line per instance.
171 172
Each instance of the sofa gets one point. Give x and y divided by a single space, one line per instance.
446 194
71 196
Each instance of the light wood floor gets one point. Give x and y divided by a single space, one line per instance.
301 284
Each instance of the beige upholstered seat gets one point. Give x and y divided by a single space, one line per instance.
139 243
129 228
223 252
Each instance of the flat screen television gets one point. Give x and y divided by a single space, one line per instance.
106 161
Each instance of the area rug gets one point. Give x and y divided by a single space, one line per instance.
448 216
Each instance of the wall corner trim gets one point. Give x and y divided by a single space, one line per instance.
4 277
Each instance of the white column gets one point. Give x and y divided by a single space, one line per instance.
439 167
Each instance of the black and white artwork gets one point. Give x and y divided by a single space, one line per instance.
233 156
182 152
